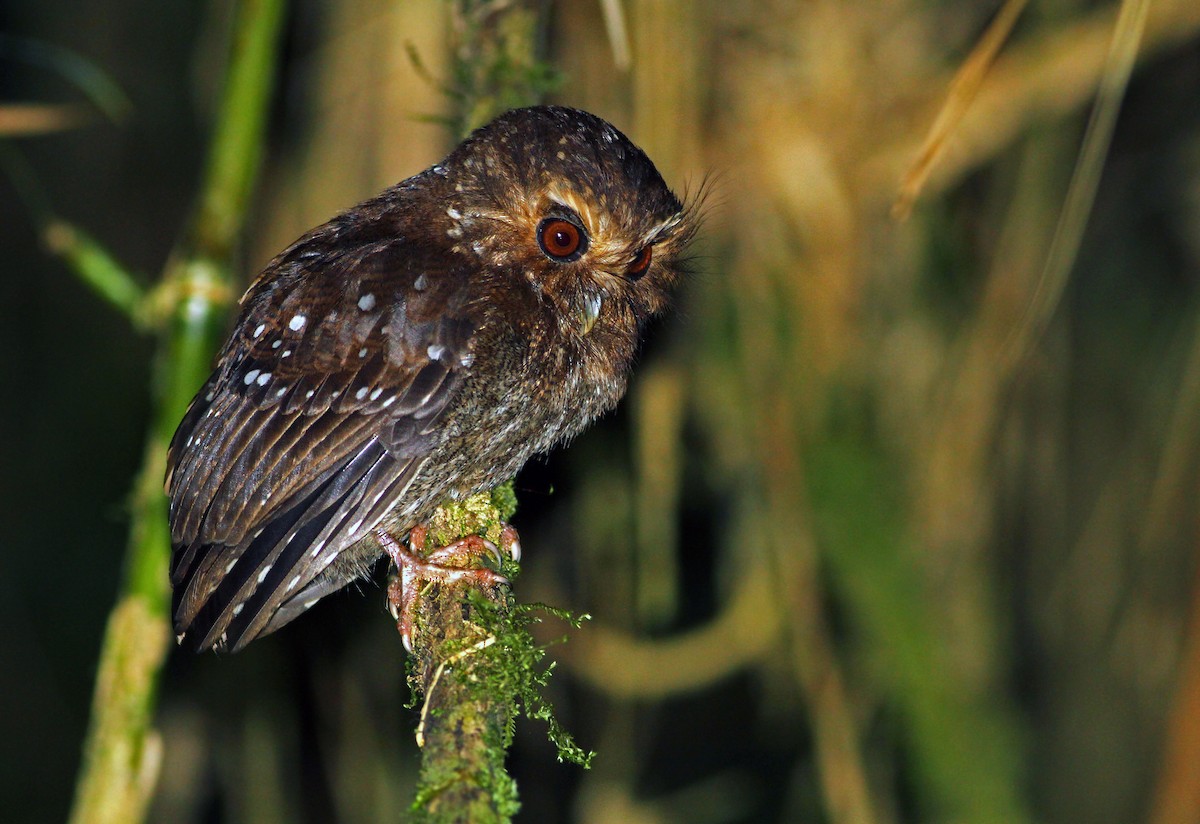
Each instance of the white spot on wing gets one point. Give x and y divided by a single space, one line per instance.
420 283
260 329
263 575
297 322
361 393
366 302
435 351
378 391
251 376
263 378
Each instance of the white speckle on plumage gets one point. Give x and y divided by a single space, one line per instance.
454 232
260 329
286 353
297 323
212 393
420 283
361 393
309 393
467 359
366 302
251 376
435 351
378 391
263 378
454 213
230 565
292 583
335 393
281 392
362 353
277 344
238 609
262 576
389 402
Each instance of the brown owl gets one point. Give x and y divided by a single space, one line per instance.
415 349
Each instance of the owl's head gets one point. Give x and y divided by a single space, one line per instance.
563 204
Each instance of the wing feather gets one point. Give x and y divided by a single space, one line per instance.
315 423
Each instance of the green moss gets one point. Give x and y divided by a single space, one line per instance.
515 666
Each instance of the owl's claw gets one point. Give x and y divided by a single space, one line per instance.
510 542
442 564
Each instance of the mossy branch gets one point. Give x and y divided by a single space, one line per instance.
121 753
474 665
464 732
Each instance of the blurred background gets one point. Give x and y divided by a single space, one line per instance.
896 524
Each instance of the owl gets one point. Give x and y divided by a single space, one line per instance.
416 349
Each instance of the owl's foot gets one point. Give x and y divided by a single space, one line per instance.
453 562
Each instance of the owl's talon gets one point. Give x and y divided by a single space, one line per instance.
414 568
510 542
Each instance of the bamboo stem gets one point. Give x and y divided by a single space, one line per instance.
122 751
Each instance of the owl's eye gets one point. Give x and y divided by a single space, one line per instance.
640 264
561 239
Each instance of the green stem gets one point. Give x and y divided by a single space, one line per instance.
95 267
122 751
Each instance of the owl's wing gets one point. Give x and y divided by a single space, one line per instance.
321 412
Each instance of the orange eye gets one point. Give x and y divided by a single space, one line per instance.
640 264
561 239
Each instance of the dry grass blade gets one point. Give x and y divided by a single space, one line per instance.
1064 246
618 33
26 119
963 88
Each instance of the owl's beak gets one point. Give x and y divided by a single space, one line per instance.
591 311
